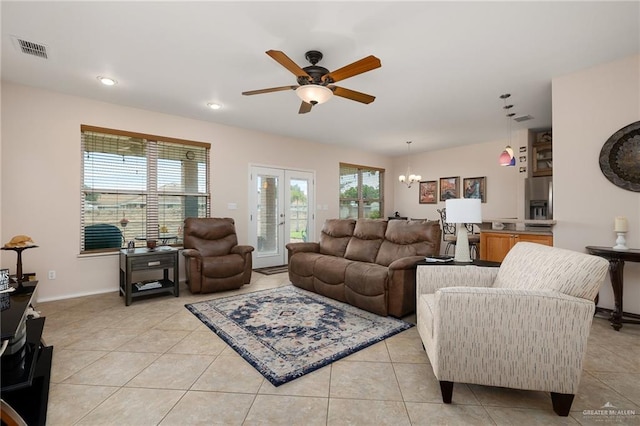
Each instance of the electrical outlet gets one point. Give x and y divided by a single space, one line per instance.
52 275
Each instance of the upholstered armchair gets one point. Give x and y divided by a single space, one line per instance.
214 260
523 325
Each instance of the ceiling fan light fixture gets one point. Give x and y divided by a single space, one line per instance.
314 94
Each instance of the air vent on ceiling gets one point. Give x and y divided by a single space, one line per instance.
523 118
31 48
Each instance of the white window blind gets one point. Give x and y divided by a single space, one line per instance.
361 191
136 187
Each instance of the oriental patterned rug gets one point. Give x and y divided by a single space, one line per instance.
287 332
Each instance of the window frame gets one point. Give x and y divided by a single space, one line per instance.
152 144
360 200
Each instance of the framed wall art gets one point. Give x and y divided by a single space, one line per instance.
475 187
428 193
449 188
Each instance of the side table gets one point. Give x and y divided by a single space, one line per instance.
616 260
143 259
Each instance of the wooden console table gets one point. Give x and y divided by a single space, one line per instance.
616 260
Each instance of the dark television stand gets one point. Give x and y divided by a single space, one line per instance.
26 368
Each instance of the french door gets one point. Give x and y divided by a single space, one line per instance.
281 212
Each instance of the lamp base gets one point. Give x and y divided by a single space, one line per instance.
621 242
462 245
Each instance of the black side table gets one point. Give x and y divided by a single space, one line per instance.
143 259
616 260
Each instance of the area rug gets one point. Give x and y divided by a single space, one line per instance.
272 270
288 332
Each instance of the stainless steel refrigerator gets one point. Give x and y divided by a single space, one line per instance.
539 198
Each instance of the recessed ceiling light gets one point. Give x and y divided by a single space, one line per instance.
214 106
107 81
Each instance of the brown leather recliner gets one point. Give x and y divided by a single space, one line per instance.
214 260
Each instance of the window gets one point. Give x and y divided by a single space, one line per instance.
361 191
137 187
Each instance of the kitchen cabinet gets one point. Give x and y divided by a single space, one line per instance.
542 155
494 246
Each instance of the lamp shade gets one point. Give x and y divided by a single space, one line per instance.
464 210
314 94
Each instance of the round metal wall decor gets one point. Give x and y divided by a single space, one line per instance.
620 157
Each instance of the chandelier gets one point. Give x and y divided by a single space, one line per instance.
506 157
409 178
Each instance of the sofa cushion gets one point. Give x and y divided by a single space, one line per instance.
366 287
367 238
405 238
329 275
331 269
335 236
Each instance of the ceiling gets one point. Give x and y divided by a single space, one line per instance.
444 64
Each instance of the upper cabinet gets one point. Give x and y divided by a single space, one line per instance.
542 154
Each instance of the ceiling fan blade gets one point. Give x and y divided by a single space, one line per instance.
352 94
305 108
363 65
272 89
286 62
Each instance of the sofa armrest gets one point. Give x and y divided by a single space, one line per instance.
191 253
242 249
405 263
303 247
430 278
494 324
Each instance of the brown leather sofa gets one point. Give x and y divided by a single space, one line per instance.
214 260
368 263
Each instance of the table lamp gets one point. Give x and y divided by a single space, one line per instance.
461 211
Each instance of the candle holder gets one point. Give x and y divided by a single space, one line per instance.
621 242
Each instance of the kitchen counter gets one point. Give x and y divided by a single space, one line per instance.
511 225
526 221
543 231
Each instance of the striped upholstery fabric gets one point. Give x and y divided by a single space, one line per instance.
524 325
556 269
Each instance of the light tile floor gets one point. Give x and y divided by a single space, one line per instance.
154 363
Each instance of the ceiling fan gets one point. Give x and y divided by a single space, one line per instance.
315 83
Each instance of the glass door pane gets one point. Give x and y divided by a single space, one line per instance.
299 208
268 217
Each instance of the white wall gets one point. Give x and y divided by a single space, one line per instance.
588 107
503 183
40 175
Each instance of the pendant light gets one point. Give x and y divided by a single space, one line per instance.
507 158
409 178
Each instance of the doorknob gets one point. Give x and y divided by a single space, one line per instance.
281 223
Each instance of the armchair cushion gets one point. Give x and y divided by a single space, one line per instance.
561 270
